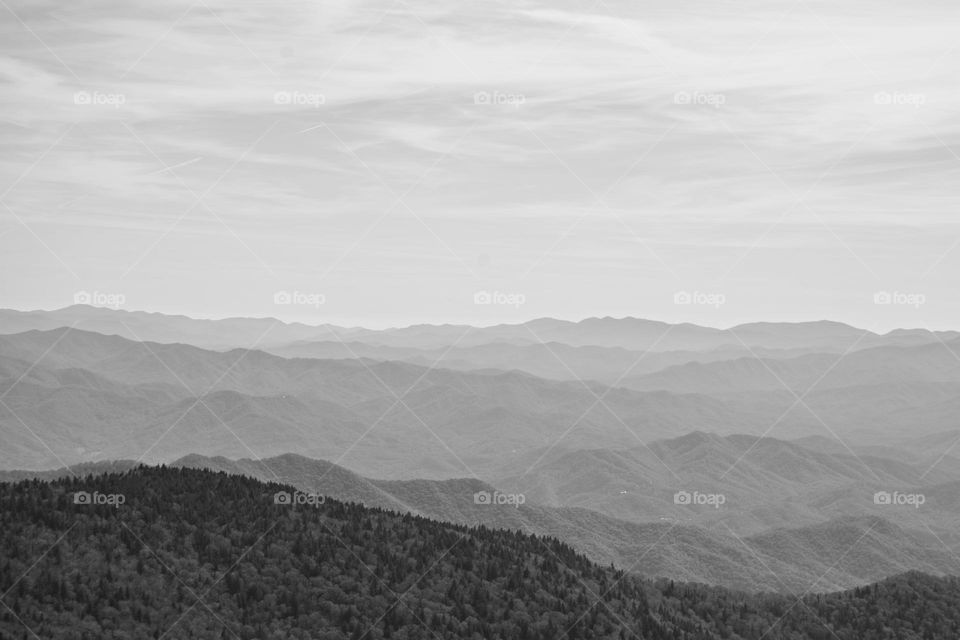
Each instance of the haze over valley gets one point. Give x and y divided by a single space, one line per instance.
796 426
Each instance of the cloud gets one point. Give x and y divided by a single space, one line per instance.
501 126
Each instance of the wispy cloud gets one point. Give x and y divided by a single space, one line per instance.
462 142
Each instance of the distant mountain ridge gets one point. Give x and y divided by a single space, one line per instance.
74 395
933 362
87 393
626 333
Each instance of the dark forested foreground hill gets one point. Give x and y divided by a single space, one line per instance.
183 553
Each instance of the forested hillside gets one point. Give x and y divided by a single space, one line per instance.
194 554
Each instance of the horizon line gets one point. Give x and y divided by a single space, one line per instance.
107 309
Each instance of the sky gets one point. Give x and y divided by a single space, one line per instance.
387 163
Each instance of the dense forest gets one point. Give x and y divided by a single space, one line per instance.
179 553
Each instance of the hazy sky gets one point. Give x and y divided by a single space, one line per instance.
789 159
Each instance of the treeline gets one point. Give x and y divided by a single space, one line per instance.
195 554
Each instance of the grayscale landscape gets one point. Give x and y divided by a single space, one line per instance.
508 321
797 441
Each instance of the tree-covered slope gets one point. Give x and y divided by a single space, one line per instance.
196 554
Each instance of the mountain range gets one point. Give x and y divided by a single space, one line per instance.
603 426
